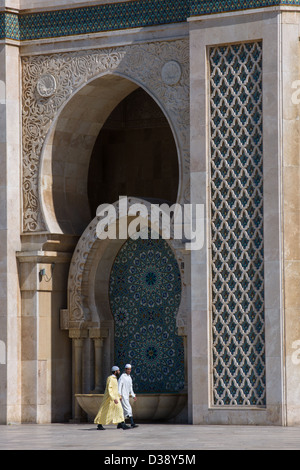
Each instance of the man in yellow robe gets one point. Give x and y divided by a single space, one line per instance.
111 411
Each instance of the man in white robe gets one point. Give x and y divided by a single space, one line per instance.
125 391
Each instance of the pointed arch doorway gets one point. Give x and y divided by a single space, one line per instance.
134 153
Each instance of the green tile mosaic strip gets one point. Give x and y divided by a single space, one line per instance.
109 17
221 6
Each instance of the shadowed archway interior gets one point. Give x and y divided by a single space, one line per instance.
134 155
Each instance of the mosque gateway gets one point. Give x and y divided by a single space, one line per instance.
185 106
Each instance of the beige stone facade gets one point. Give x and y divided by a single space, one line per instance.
56 94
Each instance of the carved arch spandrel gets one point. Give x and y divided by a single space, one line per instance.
49 81
82 312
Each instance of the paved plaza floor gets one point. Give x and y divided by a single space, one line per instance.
147 437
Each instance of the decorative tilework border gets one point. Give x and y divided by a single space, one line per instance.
84 20
109 17
221 6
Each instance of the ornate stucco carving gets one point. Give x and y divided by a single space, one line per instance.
79 314
46 86
143 63
171 72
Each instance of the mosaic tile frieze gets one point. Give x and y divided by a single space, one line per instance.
109 17
145 294
198 7
237 233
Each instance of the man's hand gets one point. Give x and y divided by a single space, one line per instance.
135 398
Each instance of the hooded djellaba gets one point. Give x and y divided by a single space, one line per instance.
111 411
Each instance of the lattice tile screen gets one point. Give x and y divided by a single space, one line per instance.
238 333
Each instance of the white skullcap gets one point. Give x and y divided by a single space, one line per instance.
115 368
128 366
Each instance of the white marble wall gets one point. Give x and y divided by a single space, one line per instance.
14 4
204 32
279 30
45 349
10 158
290 89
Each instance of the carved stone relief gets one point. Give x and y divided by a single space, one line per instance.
79 313
162 68
171 72
46 86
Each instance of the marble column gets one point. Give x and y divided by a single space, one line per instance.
98 342
10 149
77 345
98 336
45 351
290 106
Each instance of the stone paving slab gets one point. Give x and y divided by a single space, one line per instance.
147 437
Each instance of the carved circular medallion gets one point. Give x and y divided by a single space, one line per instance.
171 72
46 86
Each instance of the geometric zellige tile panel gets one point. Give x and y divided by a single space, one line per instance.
145 294
236 140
